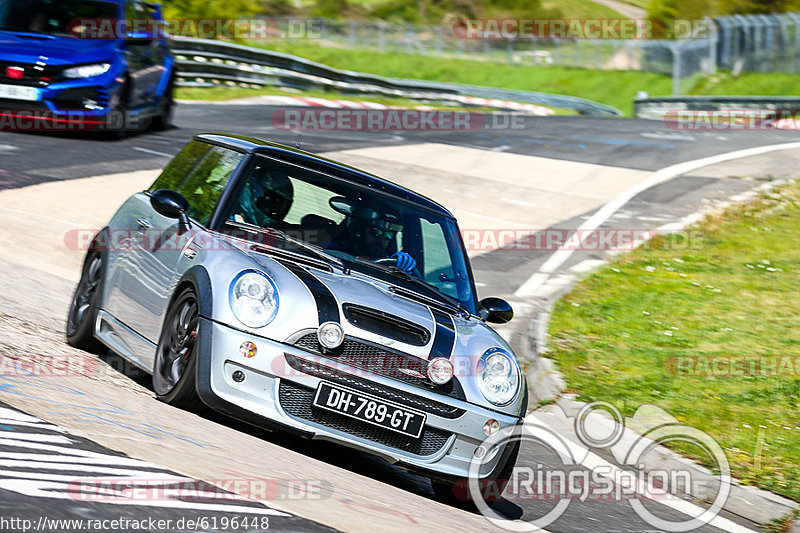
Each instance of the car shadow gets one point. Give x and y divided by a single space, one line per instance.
334 454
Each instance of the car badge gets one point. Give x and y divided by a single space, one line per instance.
410 372
15 73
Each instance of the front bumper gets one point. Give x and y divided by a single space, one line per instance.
70 105
276 390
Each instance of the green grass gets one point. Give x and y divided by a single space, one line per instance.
730 291
614 88
581 9
750 83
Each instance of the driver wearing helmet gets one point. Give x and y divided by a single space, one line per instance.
266 198
373 235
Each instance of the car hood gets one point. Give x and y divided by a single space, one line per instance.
57 50
331 292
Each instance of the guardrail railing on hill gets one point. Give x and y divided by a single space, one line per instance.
207 63
657 108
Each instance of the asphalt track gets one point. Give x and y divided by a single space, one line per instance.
28 159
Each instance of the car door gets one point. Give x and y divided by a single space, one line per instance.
164 257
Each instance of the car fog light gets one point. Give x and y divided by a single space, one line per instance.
491 427
330 335
238 376
480 451
440 370
248 349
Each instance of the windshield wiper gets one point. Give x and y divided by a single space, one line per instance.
288 238
429 288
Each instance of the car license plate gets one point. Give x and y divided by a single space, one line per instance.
15 92
370 409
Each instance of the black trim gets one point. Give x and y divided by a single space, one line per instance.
327 307
445 338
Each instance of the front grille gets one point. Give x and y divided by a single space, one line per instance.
297 402
34 75
373 358
316 369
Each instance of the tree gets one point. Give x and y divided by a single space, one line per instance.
210 9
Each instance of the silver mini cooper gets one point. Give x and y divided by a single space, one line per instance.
285 289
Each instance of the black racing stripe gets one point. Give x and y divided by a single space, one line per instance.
327 308
445 337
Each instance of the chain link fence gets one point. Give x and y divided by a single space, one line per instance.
763 43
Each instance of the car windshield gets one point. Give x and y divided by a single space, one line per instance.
368 231
52 17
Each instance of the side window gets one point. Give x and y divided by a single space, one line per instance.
437 257
180 166
204 186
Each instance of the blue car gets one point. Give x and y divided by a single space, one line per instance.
81 62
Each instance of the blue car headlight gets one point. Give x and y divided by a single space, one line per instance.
253 298
498 376
87 71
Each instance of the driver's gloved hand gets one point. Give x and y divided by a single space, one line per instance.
405 262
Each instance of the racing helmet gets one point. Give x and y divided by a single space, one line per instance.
267 196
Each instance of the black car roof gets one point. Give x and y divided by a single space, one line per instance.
316 162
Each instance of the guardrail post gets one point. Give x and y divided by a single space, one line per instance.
676 68
510 51
351 31
382 35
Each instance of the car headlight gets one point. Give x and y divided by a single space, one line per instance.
87 71
254 298
498 376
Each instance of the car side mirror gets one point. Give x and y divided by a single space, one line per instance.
495 310
171 204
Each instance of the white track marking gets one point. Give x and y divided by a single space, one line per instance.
555 261
53 481
10 414
152 152
101 473
33 437
108 460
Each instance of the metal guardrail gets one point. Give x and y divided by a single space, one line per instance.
656 108
203 63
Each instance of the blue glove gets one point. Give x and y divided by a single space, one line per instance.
405 262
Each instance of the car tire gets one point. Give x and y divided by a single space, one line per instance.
121 108
82 313
163 120
457 494
175 368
